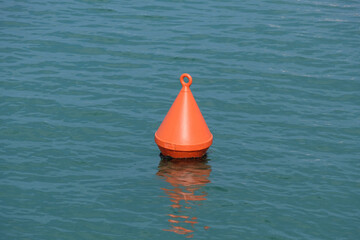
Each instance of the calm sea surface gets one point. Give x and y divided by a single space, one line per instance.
84 85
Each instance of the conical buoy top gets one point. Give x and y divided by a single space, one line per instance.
184 132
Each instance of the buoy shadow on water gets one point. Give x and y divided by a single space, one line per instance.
203 158
186 177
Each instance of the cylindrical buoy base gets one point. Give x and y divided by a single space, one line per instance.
183 154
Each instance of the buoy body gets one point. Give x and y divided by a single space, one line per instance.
184 132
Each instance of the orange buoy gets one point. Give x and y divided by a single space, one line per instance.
183 132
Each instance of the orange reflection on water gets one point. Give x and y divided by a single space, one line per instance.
187 177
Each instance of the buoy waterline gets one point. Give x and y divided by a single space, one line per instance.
184 132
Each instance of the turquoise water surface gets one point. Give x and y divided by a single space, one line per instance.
85 84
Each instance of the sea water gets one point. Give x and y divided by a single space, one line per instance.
84 85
